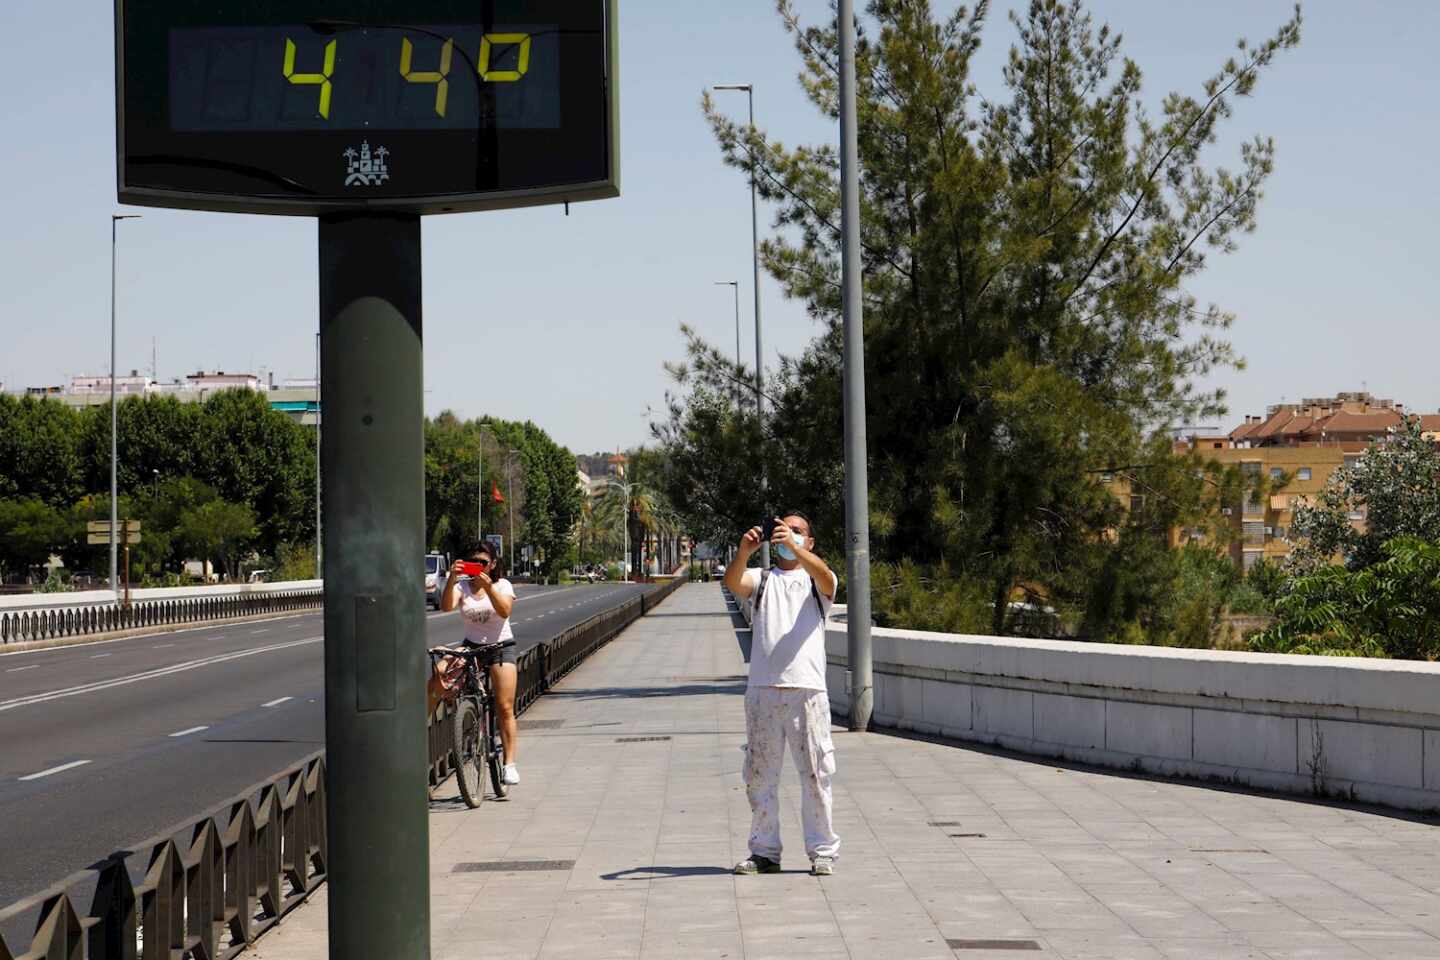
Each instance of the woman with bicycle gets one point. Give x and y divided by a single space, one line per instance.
485 598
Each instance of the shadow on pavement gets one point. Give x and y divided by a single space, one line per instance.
655 873
642 693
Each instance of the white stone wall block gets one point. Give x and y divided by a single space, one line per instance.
1071 721
946 704
1368 752
1432 760
1005 712
1252 741
1149 729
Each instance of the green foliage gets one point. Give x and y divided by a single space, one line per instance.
1027 323
1267 579
30 530
1388 609
1395 485
40 451
535 475
294 561
219 531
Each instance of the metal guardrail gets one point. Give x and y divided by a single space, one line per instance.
28 625
232 874
237 870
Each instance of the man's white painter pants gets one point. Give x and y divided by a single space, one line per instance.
775 716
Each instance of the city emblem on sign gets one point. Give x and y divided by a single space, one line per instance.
365 169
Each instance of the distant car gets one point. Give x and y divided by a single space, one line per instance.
436 565
258 576
720 570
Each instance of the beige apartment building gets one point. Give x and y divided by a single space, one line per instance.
1297 446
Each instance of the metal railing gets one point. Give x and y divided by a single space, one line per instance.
29 625
206 890
210 888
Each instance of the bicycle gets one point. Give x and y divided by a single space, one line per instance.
474 731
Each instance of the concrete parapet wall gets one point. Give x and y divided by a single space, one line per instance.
1366 730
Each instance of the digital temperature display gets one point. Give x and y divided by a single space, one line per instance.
309 106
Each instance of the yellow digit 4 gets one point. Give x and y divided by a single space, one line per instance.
504 76
442 89
303 79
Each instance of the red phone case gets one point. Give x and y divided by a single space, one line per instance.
471 569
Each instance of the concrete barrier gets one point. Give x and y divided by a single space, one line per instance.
1366 730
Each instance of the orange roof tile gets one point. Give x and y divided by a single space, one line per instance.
1359 422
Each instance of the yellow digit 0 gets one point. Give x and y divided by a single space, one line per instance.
442 88
305 79
504 76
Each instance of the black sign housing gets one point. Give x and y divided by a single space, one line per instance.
323 106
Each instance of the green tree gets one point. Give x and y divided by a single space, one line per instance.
219 531
1027 325
1395 487
39 450
30 531
1388 609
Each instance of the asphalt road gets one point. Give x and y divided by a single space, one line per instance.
106 744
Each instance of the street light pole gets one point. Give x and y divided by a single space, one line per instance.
857 509
736 285
115 219
755 268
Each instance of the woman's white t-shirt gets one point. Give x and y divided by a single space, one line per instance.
483 626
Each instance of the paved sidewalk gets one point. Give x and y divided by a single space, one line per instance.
948 852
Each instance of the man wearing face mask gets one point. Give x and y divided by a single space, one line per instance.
786 702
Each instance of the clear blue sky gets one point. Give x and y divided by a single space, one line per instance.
569 320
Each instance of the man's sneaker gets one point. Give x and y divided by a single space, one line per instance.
822 867
756 864
511 776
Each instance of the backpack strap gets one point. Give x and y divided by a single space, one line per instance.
760 588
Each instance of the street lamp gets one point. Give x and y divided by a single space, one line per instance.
115 219
625 526
735 284
749 90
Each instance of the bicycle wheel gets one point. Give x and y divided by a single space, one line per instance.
466 737
495 754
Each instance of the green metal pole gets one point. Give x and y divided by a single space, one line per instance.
374 512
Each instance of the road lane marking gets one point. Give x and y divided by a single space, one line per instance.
149 674
254 632
53 770
276 703
32 666
186 733
100 656
162 646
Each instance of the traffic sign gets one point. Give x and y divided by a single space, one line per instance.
497 541
414 106
103 526
98 539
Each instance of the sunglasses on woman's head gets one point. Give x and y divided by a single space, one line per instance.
482 562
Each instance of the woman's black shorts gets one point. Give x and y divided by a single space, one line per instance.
507 654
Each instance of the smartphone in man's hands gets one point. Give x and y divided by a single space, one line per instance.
767 530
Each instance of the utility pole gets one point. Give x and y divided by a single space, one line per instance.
115 219
857 483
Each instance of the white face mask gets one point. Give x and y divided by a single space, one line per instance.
784 550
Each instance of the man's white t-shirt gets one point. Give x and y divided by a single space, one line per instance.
483 626
787 647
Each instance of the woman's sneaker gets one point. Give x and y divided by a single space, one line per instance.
822 867
511 775
756 864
